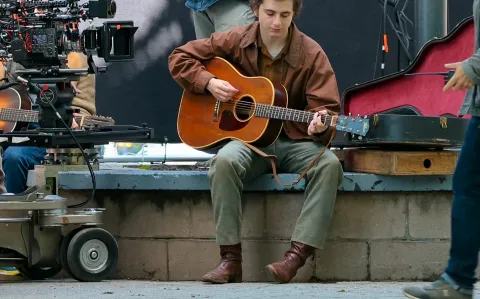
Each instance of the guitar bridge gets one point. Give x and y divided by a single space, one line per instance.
216 111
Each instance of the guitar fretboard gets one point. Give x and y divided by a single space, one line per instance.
20 115
13 115
282 113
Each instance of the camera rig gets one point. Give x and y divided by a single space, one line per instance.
38 35
35 38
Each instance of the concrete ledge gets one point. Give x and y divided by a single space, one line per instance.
134 179
170 235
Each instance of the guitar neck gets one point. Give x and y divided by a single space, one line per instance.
29 116
18 115
282 113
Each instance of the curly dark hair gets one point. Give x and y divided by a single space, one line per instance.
297 6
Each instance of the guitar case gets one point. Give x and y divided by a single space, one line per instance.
408 108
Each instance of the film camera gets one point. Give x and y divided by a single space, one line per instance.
38 35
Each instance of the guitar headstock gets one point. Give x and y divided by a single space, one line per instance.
103 119
353 124
87 120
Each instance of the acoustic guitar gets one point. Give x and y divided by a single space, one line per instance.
16 113
254 115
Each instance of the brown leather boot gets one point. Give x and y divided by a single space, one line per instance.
230 267
295 258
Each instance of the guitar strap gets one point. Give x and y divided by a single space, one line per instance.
273 159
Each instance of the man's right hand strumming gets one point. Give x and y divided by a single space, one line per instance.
221 90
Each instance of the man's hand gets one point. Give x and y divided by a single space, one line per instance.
460 80
73 84
221 90
74 122
317 125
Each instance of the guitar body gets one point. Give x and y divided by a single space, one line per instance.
13 98
205 123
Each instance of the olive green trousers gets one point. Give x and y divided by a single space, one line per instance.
235 165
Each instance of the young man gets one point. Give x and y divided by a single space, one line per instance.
18 160
458 279
219 15
275 48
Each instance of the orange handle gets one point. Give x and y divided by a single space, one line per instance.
385 42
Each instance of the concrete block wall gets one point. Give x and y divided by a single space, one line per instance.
377 236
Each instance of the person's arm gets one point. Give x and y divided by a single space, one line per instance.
185 62
87 96
75 61
3 73
471 68
322 93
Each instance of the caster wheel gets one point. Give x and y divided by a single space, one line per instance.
92 255
35 273
63 250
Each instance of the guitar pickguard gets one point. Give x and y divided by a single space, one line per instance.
228 122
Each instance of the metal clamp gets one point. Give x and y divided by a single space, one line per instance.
375 120
443 122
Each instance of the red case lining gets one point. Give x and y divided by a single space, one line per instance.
424 93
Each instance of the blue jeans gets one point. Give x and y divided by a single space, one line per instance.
465 218
17 161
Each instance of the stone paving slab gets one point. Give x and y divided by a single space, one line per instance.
123 289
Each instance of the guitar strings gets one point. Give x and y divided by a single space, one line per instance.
245 106
12 114
14 111
299 114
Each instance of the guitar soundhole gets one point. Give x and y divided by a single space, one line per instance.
244 108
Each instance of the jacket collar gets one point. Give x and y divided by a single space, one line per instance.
295 47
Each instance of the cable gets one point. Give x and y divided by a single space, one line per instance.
446 75
90 168
384 48
400 29
7 85
429 73
393 3
378 48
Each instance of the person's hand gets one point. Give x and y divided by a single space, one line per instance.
73 84
317 125
460 80
221 90
74 122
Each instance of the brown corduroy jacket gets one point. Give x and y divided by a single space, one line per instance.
306 73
